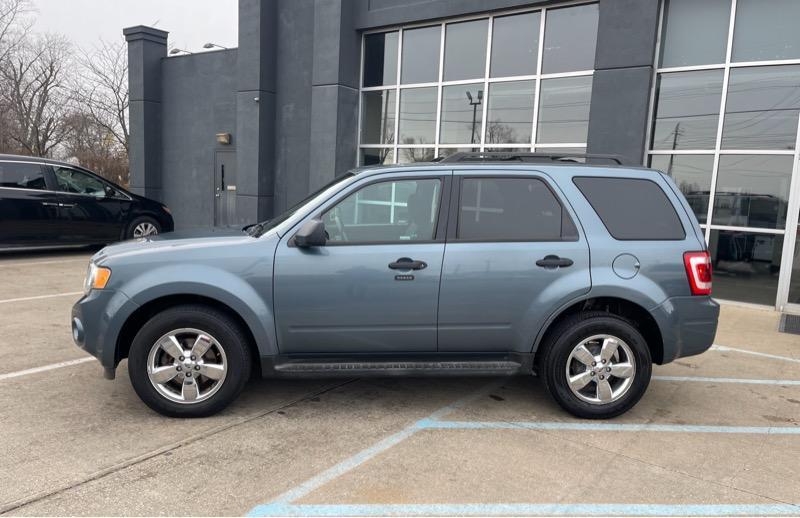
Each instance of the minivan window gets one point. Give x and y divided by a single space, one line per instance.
21 175
511 209
392 211
632 208
78 182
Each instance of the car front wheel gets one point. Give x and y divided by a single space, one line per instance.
143 227
596 365
189 361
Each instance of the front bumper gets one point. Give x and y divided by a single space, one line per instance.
97 319
688 325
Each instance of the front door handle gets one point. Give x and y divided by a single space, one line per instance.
66 205
554 261
406 263
50 204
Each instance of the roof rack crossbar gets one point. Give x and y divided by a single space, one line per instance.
502 156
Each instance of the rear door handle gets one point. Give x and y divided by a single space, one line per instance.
554 261
406 263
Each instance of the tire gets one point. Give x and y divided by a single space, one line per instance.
143 226
592 402
152 355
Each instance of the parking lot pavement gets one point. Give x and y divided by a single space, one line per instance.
715 434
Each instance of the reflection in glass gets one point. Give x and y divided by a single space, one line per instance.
564 110
695 33
515 45
380 59
765 30
377 117
687 110
377 156
409 155
447 151
752 191
462 112
745 265
692 174
418 115
420 55
509 117
465 50
570 36
762 108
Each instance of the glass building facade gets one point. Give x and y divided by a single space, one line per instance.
724 118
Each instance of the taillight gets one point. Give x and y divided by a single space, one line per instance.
698 269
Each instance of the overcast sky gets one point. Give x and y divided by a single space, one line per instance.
190 23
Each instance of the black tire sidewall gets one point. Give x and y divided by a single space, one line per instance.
142 219
555 362
218 325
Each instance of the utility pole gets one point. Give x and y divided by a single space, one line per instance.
474 103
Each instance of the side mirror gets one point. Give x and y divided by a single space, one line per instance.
311 234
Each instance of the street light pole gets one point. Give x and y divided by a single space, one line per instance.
474 103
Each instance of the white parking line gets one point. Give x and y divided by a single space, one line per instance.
37 297
743 381
44 368
724 348
49 261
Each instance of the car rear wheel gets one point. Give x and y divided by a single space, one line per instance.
596 365
143 227
189 361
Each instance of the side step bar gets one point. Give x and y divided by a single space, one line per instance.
398 368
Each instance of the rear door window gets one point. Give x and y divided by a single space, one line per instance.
511 209
21 175
632 208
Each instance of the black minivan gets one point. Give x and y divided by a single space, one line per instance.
45 203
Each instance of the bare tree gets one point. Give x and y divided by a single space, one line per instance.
102 90
35 93
14 24
94 147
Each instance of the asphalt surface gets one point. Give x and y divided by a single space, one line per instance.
715 434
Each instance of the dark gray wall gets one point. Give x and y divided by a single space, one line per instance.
198 101
626 40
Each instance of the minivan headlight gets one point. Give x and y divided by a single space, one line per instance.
96 277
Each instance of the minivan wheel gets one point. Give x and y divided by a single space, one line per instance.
596 365
189 361
143 227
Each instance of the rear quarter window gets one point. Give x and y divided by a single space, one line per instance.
632 208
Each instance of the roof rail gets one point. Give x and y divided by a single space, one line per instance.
504 156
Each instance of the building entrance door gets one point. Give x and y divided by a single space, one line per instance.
224 188
789 284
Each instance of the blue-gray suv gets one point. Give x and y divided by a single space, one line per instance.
479 264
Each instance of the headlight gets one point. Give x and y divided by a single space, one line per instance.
96 277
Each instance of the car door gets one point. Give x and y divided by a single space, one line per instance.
91 210
374 286
514 255
28 209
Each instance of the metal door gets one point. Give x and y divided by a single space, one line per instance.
225 188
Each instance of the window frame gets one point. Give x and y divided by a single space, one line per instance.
440 225
486 81
455 208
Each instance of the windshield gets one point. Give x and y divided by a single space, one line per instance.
259 229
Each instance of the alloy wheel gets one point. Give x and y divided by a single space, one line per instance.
144 229
187 366
600 369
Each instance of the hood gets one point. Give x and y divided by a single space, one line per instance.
180 242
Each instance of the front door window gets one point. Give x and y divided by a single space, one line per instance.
386 212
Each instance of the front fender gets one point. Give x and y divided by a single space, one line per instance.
237 291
